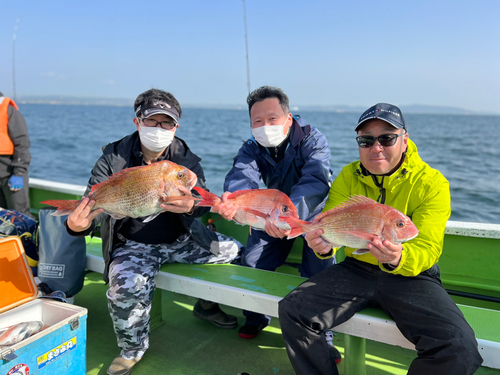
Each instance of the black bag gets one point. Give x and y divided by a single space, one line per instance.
14 223
62 257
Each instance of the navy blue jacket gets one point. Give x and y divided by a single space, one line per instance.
304 174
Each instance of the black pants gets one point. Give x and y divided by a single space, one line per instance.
423 311
267 253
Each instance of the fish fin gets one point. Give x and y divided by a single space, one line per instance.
257 213
116 216
351 201
151 217
117 175
236 194
360 251
239 193
295 232
64 207
363 235
209 199
328 242
237 222
296 224
358 199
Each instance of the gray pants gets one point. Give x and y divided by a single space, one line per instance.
131 284
15 200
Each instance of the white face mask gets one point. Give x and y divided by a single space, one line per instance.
156 139
270 135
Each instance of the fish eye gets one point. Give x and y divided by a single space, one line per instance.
400 224
180 174
284 208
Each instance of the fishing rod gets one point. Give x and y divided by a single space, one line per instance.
14 61
246 44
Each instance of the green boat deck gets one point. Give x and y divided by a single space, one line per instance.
181 344
185 345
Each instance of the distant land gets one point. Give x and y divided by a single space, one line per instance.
124 102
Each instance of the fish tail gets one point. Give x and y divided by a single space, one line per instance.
295 232
64 207
209 199
298 226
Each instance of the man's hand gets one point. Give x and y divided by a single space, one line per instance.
180 206
316 243
385 251
225 209
16 183
81 218
276 232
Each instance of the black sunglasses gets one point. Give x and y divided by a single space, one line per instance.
385 140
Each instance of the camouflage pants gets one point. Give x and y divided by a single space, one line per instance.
131 283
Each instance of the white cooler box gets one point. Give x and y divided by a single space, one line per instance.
60 348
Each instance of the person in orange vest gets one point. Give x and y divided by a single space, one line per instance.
15 158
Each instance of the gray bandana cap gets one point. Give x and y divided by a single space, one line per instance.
158 107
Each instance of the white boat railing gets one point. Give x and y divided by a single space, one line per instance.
458 228
59 187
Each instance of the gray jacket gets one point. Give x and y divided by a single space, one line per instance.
18 163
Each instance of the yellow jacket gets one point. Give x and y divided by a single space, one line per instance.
417 190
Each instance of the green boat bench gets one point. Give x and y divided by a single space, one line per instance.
260 291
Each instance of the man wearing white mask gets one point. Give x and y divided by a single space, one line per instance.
286 154
134 250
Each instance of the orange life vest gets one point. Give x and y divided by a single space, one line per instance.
6 145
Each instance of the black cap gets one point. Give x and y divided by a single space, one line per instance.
158 107
385 112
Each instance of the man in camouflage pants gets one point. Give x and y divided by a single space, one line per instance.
132 272
135 248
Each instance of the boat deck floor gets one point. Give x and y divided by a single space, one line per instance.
185 345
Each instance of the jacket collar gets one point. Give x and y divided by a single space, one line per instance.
298 133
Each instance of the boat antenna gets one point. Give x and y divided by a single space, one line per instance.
14 61
246 44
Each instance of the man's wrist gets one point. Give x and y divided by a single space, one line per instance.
191 211
326 255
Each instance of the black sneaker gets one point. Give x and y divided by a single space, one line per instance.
212 313
249 331
334 353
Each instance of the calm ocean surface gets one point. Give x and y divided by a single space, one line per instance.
66 141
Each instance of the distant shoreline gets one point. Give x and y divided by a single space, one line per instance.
407 109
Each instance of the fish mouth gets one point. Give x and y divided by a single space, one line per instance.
193 180
407 239
411 238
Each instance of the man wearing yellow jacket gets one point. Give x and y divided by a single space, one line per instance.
15 158
402 279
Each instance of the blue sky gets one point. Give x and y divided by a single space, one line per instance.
319 52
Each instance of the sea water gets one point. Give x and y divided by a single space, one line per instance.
66 141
